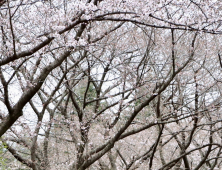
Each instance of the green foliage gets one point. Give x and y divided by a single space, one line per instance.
138 102
3 160
89 96
91 92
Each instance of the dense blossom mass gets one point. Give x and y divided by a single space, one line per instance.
110 84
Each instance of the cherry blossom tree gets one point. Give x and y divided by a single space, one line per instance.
111 84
